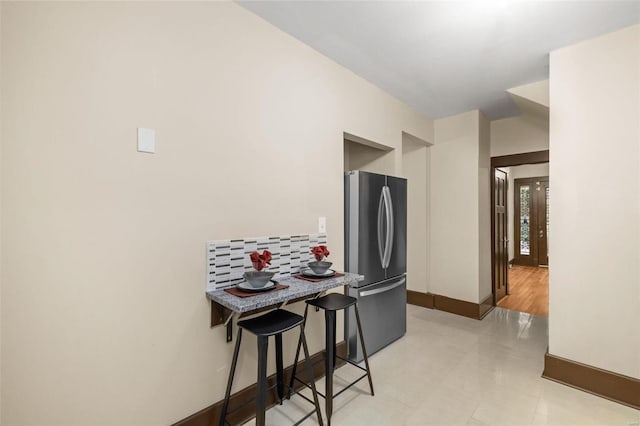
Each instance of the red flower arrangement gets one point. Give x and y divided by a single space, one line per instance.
320 252
260 261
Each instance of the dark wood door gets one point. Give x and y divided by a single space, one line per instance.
500 235
531 196
542 221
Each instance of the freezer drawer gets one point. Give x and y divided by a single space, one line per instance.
383 312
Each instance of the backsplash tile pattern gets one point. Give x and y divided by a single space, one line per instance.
227 260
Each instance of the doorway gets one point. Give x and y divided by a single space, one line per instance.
519 230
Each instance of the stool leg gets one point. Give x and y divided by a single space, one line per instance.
330 344
279 368
263 343
232 372
364 349
312 379
335 352
295 361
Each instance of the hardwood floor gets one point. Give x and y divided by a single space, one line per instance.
528 290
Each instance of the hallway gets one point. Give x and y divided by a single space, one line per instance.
451 370
528 290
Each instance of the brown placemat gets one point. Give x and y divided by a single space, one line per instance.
241 293
317 280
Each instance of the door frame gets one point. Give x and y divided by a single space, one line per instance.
535 157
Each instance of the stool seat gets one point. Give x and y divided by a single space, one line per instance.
333 302
272 323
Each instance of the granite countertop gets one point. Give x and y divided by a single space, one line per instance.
297 288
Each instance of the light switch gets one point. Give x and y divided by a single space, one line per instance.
322 225
146 140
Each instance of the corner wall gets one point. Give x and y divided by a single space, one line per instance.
594 276
103 307
1 365
484 209
459 161
415 167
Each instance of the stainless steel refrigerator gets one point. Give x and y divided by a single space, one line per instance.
376 247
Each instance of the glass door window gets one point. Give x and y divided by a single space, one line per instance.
525 220
531 220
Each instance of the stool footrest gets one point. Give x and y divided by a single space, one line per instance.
306 416
334 395
248 401
291 391
350 384
305 384
351 362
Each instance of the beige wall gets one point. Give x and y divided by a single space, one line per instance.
523 133
415 167
1 244
594 287
455 218
484 209
104 317
537 92
369 159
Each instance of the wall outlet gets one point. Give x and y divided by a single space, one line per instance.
322 225
146 140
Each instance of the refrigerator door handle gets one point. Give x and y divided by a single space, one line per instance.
381 252
388 244
382 289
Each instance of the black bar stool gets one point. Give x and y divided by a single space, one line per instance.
331 303
273 323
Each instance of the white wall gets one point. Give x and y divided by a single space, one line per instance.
594 282
104 317
523 133
455 207
518 172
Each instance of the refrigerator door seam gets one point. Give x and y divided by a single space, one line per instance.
381 203
388 245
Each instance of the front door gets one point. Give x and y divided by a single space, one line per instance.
500 234
531 225
542 222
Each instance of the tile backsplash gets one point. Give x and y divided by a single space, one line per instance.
227 260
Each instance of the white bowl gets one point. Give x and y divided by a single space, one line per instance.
258 279
320 267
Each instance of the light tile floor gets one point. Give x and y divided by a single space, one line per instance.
450 370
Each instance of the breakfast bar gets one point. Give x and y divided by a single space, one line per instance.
226 307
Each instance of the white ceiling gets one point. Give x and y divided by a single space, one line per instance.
445 58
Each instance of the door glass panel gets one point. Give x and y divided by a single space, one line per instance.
547 213
525 220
